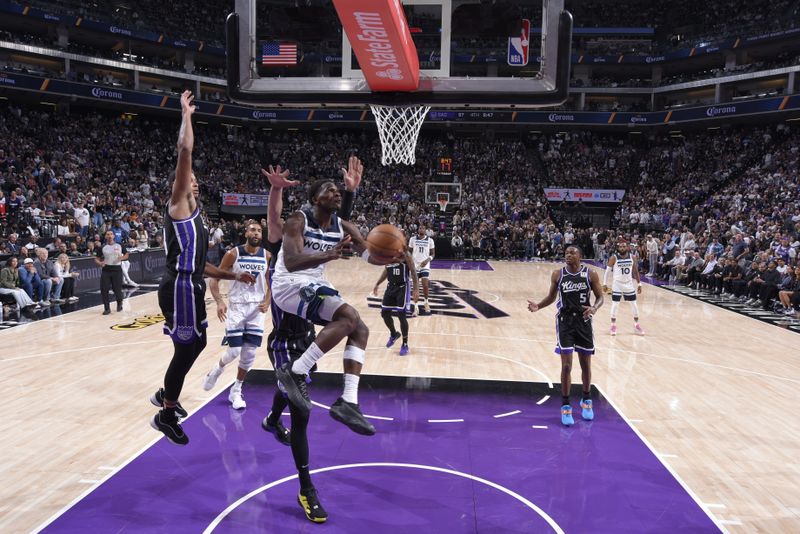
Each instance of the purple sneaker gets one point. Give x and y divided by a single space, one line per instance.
403 350
392 338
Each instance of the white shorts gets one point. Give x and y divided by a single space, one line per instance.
620 290
423 272
313 300
244 324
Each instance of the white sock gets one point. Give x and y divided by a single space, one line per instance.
304 364
351 388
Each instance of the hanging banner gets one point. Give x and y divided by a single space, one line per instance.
584 195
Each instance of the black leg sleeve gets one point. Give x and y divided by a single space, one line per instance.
182 360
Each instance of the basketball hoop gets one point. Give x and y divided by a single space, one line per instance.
443 199
398 128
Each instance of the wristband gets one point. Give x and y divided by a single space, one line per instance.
365 255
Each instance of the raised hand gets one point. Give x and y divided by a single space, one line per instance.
352 175
278 177
187 102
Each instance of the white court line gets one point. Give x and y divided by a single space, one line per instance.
649 354
715 505
544 399
539 426
635 420
668 455
734 522
315 403
445 420
86 481
106 468
669 469
515 412
541 513
116 470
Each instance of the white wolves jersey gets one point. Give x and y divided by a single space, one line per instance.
255 264
623 270
420 249
315 240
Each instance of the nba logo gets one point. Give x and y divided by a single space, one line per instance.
518 47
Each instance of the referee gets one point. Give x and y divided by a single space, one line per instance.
109 257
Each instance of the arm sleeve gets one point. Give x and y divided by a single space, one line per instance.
348 200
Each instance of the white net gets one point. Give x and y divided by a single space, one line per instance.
398 127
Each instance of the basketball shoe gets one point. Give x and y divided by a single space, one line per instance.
211 377
392 338
639 329
235 397
158 400
566 415
403 349
311 506
613 329
281 433
586 409
295 387
350 415
169 427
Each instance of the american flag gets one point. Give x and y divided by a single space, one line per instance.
274 53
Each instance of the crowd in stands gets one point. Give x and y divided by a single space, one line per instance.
66 179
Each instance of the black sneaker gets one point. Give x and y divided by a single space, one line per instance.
311 507
350 415
158 400
119 306
295 386
281 433
170 427
106 312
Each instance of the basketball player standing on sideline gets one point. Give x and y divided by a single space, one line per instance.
396 298
181 295
292 335
624 270
422 250
572 286
244 321
311 238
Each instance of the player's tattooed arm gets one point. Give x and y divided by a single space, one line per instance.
381 279
278 180
551 295
213 285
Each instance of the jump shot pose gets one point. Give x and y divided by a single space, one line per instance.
572 286
624 270
181 295
396 298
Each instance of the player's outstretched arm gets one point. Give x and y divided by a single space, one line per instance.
213 271
551 295
278 180
594 281
182 203
293 257
637 277
359 244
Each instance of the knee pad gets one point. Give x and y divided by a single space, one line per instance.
231 354
247 357
351 352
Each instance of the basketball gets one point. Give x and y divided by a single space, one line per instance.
385 241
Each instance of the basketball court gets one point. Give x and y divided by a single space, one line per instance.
690 430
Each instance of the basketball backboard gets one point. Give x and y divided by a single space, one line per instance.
295 52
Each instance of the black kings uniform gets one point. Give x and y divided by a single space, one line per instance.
291 335
573 332
182 292
398 290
